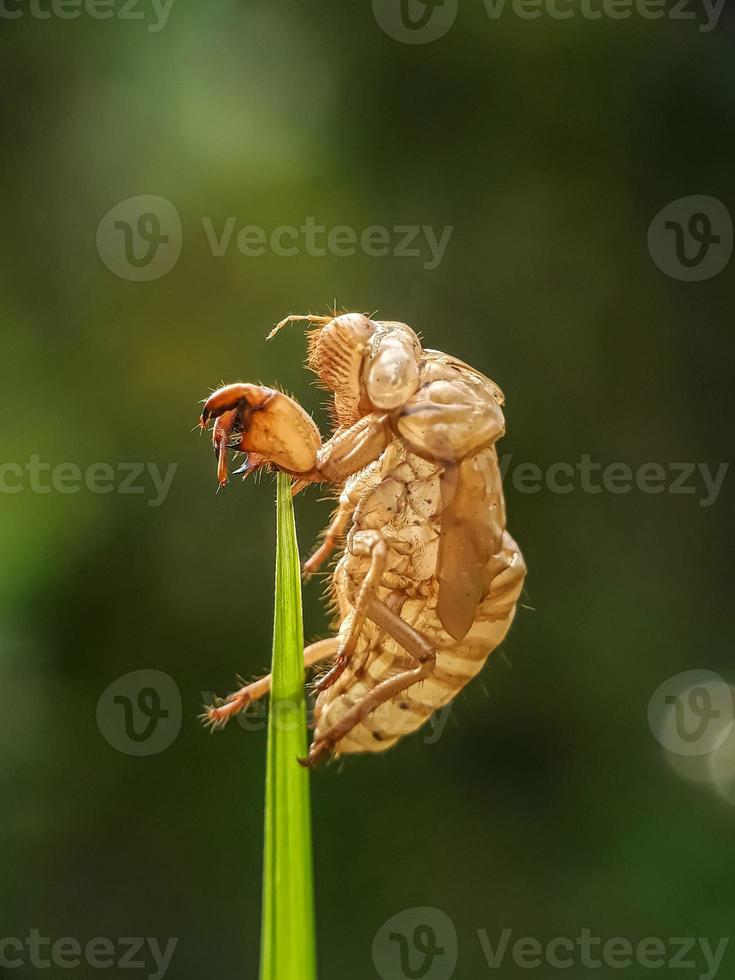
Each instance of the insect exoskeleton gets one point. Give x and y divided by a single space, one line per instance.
428 577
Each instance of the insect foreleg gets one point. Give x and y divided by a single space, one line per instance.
347 452
352 449
416 645
218 714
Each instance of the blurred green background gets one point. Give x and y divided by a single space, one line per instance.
547 805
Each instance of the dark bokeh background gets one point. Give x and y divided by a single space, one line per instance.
547 805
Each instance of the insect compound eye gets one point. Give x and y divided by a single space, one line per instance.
356 325
392 373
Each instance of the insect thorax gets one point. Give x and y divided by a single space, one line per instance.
398 495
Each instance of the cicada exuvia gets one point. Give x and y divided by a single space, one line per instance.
427 580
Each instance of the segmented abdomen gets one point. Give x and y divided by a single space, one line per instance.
379 657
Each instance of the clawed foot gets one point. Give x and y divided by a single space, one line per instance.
216 715
336 670
318 749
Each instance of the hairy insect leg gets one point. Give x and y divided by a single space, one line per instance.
295 318
333 533
416 645
217 715
373 544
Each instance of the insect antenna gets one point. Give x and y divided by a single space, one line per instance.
299 317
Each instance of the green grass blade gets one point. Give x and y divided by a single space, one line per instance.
288 939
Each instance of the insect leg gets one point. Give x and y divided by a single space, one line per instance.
217 715
221 441
348 451
374 545
352 449
334 532
416 645
295 318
